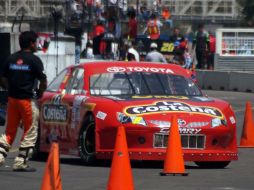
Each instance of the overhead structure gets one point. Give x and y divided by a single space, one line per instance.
198 9
180 9
30 9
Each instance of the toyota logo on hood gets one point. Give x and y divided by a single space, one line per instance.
116 69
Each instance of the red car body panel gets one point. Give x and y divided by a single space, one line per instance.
194 114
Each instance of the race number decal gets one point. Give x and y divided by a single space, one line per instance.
167 47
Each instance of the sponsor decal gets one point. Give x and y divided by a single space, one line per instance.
170 106
19 67
139 69
101 115
20 61
232 120
55 113
181 122
75 115
161 96
183 130
56 100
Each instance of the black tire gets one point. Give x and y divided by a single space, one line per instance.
37 154
213 165
86 140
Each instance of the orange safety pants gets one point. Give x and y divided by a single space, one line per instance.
21 112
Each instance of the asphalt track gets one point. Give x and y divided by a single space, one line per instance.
239 175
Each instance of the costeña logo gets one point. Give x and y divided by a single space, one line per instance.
116 69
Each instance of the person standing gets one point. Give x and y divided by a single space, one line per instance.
153 27
132 26
20 75
154 55
201 43
132 54
99 31
212 48
179 46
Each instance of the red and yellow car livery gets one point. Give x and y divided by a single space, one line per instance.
85 104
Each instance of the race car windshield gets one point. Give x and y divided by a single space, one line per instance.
137 83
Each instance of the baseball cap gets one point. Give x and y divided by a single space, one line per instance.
153 45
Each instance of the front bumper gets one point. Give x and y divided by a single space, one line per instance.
220 144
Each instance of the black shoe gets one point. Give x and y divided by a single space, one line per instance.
24 169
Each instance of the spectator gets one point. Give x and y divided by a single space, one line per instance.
201 43
123 5
166 15
99 31
187 60
154 55
153 27
132 55
212 48
179 46
132 26
89 50
20 74
144 13
90 8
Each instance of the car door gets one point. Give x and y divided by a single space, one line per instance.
73 96
58 118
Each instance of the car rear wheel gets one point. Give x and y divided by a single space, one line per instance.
87 140
218 165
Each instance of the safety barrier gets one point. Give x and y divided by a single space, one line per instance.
223 80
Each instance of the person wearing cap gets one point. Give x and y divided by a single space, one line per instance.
154 55
132 54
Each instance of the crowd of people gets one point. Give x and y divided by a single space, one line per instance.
109 39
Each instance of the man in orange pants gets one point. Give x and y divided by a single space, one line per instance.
20 75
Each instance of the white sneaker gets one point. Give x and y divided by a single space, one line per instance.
2 160
20 166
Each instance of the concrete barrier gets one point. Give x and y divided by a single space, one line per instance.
243 82
230 81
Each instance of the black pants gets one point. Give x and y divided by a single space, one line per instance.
201 59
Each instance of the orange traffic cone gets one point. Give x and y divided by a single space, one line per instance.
174 163
52 178
247 139
120 177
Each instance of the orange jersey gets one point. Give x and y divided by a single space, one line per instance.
153 29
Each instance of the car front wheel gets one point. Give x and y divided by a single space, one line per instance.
86 140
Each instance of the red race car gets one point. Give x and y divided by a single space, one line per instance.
84 105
